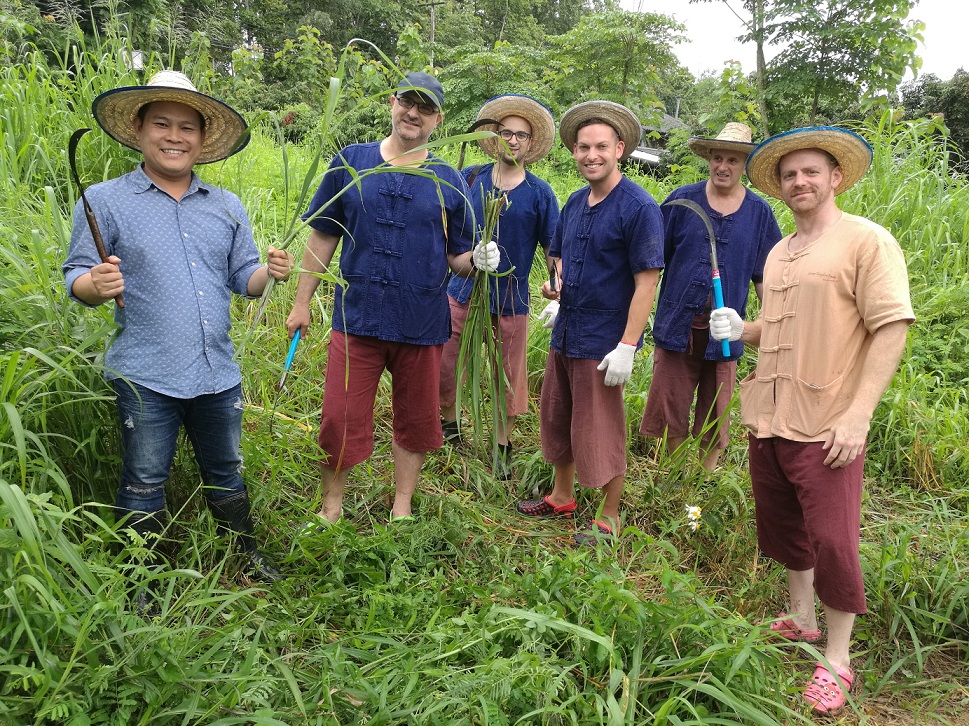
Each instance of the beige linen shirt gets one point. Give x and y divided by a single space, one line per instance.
821 306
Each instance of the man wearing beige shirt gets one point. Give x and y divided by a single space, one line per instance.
830 335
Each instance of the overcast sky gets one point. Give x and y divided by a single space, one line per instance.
712 28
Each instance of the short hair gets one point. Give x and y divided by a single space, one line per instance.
594 121
143 111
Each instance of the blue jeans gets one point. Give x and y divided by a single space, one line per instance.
150 423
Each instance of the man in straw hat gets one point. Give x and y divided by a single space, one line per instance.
526 129
402 231
686 361
830 335
608 249
178 247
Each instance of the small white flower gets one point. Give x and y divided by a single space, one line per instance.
693 515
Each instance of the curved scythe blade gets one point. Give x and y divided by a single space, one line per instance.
717 284
92 221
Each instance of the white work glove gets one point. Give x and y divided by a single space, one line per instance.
486 256
726 324
549 314
618 365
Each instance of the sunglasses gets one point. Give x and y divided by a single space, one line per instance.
424 109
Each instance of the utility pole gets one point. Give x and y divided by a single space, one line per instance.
433 4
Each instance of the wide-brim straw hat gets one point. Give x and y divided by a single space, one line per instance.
616 115
116 110
539 117
853 153
734 136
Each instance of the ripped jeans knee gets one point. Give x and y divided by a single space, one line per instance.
150 423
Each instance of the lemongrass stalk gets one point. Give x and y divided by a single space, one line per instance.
479 369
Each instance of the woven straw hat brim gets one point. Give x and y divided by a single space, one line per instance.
703 146
537 115
853 153
116 110
617 115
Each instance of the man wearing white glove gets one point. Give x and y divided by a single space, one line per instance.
608 251
402 232
525 130
692 377
830 335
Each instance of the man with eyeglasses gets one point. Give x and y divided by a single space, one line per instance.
526 130
404 218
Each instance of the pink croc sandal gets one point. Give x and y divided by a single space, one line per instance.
788 630
823 691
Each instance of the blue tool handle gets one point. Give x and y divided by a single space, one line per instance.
718 299
292 350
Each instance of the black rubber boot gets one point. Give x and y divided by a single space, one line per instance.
503 470
450 431
232 515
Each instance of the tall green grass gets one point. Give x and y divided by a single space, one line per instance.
470 615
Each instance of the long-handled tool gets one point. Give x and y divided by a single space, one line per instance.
92 221
717 284
289 359
474 127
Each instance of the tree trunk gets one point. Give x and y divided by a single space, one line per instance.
758 18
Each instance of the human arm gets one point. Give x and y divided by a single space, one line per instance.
104 282
482 257
846 440
618 364
316 259
279 264
759 291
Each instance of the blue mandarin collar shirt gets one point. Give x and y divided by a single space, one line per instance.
601 248
527 221
743 240
181 262
398 228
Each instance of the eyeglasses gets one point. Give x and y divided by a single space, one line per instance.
508 134
425 109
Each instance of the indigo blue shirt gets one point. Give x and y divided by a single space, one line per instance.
397 233
181 262
601 248
527 221
743 240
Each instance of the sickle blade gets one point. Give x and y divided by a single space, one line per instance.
717 284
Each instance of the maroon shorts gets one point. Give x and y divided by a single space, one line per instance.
353 368
583 420
676 377
809 516
512 335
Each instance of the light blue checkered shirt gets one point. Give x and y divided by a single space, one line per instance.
181 262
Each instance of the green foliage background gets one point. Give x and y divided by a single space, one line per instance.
470 615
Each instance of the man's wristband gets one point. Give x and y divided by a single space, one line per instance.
633 344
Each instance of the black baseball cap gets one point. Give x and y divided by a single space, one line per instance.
424 85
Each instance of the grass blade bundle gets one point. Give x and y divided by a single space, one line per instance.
479 369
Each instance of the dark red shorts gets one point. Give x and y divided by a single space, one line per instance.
512 333
809 516
676 377
583 420
354 365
